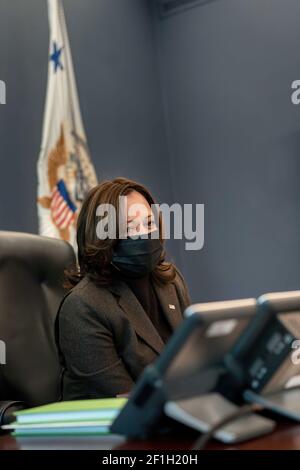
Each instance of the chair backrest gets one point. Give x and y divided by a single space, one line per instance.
31 278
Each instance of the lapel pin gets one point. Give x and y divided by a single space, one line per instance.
171 306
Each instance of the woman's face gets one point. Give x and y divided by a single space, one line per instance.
140 218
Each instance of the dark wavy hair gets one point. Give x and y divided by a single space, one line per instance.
94 254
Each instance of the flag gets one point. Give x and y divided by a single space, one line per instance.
65 169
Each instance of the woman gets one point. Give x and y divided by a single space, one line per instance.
125 300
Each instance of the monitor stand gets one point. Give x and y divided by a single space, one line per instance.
202 412
284 402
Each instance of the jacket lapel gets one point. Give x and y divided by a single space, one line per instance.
137 315
139 319
169 302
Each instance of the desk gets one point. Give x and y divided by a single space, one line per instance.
285 437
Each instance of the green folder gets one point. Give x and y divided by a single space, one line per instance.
68 411
60 428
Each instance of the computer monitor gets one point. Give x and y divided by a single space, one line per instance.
262 358
190 364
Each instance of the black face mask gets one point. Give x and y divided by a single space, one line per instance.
137 257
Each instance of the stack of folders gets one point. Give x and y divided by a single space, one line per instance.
69 418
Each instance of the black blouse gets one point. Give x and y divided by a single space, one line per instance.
143 289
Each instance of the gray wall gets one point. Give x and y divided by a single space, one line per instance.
196 106
234 140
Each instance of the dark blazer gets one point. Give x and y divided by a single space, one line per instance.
105 338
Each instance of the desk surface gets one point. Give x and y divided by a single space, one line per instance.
285 437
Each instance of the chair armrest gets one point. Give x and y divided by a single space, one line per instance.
7 408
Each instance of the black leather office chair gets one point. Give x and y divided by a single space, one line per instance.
31 277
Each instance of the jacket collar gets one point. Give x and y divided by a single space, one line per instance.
139 319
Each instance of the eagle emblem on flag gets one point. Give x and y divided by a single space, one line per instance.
67 187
